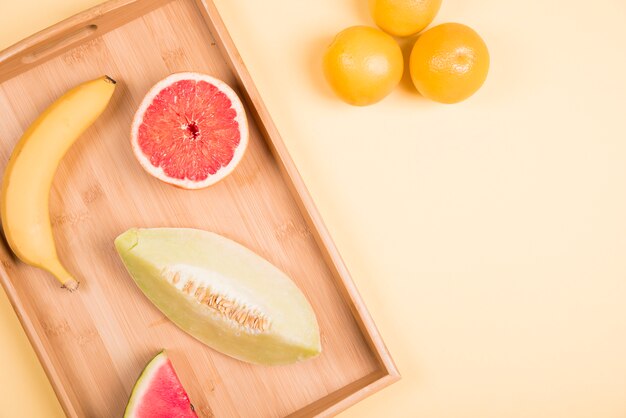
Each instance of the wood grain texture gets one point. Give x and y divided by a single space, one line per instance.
94 343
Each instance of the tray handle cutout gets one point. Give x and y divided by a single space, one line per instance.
60 44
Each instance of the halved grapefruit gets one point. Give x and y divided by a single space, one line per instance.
158 393
190 130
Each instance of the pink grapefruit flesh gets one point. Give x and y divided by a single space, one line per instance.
190 130
158 393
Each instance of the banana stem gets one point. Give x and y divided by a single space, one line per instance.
63 276
70 284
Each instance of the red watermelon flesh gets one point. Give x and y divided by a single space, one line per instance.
158 393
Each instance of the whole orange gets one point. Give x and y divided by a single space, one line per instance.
449 63
403 17
363 65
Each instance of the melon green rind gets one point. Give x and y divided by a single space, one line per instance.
156 257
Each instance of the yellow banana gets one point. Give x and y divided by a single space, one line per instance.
30 171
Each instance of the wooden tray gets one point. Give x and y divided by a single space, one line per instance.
93 343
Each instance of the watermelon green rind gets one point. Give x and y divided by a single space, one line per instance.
158 393
143 383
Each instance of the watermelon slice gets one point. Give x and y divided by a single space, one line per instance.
158 393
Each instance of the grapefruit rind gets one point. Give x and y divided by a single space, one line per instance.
241 119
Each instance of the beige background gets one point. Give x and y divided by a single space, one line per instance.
487 238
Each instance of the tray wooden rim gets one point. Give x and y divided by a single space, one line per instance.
19 58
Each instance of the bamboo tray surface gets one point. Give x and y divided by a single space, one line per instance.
95 342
